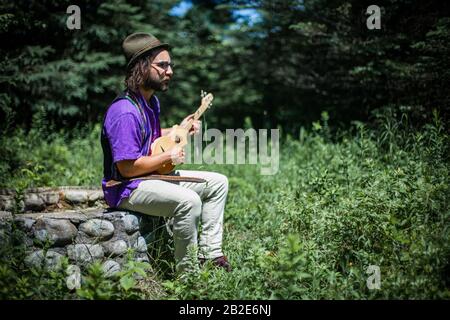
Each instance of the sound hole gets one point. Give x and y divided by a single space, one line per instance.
177 139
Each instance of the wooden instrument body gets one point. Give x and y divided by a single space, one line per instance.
177 137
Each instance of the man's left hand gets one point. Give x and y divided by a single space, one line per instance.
195 124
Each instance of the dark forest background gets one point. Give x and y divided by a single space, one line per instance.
276 63
364 173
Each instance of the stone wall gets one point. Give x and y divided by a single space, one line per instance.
83 235
52 199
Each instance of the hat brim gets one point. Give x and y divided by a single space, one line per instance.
146 52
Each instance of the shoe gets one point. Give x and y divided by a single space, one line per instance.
221 262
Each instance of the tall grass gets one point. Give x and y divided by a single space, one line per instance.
369 196
46 157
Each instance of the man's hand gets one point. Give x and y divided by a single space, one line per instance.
177 155
195 124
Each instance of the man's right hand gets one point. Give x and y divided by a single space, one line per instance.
177 155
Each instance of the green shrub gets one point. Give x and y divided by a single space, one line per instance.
368 196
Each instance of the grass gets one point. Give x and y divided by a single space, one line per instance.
339 203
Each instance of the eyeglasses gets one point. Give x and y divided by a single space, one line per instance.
164 65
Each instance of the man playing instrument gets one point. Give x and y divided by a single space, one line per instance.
131 125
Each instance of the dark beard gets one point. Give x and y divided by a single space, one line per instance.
154 84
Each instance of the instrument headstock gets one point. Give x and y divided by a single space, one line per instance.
207 99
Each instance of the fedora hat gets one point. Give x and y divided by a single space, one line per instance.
139 43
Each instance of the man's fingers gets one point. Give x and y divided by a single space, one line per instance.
195 127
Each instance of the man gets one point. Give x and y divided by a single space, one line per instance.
130 126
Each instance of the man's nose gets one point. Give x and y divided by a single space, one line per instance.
169 71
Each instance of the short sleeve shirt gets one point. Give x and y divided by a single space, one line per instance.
123 128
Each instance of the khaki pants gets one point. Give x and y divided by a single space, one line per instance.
188 203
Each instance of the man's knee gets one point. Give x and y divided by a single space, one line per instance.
221 181
187 216
191 204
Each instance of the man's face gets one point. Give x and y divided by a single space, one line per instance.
160 72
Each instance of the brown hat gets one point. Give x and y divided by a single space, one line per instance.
136 44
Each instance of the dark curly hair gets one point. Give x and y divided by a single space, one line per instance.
139 72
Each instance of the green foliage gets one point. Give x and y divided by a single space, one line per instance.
289 274
370 196
294 61
75 74
367 184
314 55
363 200
44 158
123 285
20 281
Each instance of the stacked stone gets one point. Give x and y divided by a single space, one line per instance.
84 237
89 233
50 199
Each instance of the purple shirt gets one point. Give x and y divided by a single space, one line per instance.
123 129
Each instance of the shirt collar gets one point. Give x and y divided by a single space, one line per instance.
154 102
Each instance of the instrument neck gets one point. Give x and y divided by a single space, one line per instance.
188 125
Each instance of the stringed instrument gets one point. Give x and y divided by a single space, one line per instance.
179 134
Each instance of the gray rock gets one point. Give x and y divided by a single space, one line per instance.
142 257
83 238
99 228
115 248
6 202
39 259
34 259
85 253
5 216
132 238
34 202
131 223
140 245
60 250
110 268
57 232
76 196
114 215
74 216
25 223
73 281
95 195
50 197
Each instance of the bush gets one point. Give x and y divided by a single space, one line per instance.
369 196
